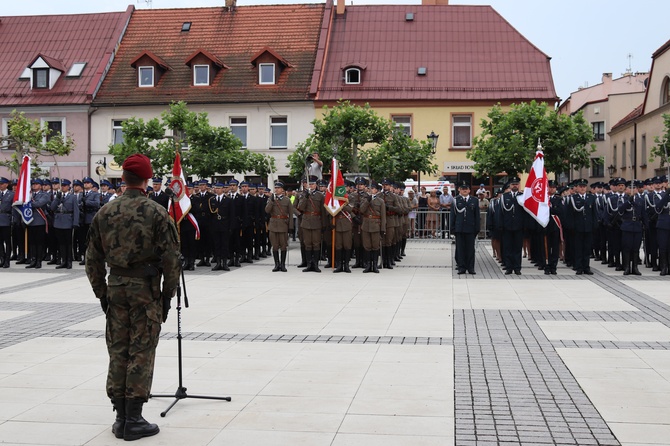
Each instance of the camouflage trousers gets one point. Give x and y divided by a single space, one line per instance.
133 327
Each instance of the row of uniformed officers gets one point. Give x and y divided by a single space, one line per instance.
607 222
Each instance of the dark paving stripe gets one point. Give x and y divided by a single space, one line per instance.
511 386
616 345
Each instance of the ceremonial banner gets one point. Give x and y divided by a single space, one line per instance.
535 198
180 197
336 195
22 197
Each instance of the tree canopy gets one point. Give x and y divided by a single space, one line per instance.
662 147
30 137
211 150
509 140
364 142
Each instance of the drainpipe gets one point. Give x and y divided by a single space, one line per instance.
91 110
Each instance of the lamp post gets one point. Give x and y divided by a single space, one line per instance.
611 169
433 143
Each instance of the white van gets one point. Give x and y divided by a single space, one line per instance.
429 185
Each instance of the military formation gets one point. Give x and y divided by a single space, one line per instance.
611 223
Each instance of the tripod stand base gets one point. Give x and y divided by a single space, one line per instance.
180 394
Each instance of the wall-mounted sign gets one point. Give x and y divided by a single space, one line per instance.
459 166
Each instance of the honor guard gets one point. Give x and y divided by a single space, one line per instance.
200 207
280 210
105 193
464 221
663 227
393 210
512 216
373 211
90 202
6 200
221 210
553 231
37 227
633 221
343 238
187 234
582 211
355 200
314 218
66 217
613 218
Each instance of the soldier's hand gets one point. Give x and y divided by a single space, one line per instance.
383 233
166 306
104 304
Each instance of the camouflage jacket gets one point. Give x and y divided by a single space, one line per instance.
132 232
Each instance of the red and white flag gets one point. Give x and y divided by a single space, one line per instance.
535 198
336 194
23 197
181 197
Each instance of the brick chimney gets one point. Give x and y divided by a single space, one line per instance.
434 2
340 7
607 77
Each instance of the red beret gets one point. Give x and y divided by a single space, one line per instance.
140 165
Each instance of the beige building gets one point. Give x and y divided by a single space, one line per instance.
603 105
632 138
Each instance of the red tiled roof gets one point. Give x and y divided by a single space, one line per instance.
60 40
160 62
470 53
233 37
636 113
272 53
215 60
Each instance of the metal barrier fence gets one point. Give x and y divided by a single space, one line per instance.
434 225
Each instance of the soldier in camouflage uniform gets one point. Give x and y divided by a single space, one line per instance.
137 239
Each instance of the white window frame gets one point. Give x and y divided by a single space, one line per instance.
260 73
119 128
139 76
245 125
5 132
278 124
76 69
195 78
48 74
597 135
455 124
43 123
347 78
403 125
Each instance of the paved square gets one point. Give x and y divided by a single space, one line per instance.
412 356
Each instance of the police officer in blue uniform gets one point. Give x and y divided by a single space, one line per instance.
37 227
464 221
65 210
90 201
6 200
663 230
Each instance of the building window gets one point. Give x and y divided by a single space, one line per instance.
180 138
146 75
117 132
665 91
6 145
238 126
599 131
403 124
643 151
55 129
352 76
597 168
200 74
76 69
278 132
40 78
614 156
633 161
266 73
461 130
623 155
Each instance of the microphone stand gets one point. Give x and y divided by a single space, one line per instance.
181 394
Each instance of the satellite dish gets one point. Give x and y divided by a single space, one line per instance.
101 171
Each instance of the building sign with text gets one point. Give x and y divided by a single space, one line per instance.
459 166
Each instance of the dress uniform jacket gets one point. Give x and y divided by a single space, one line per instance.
633 215
465 216
373 210
343 221
313 212
280 211
663 210
161 198
393 209
40 201
221 213
6 200
91 204
65 211
512 214
583 212
200 206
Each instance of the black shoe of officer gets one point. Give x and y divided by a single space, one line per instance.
277 267
282 262
136 426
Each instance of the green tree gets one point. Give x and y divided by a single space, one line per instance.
211 150
29 137
662 147
400 155
509 140
345 127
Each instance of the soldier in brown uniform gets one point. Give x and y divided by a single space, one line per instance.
343 240
403 221
373 211
355 200
313 220
136 238
280 209
392 212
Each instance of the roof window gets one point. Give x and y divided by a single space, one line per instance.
352 76
186 27
266 73
409 17
76 69
421 71
146 76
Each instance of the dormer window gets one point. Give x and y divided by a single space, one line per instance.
200 74
352 76
146 76
40 78
266 73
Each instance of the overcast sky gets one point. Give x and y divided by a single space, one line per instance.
584 38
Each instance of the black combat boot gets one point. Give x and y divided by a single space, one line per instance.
5 264
136 426
224 264
359 259
231 262
339 261
634 268
277 267
387 257
282 265
119 425
663 259
309 260
373 261
315 262
345 260
626 262
219 265
303 258
367 255
33 263
201 262
654 263
402 247
54 261
256 256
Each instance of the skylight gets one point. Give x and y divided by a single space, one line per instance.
186 26
76 69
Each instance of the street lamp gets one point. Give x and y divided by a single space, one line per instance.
611 169
433 143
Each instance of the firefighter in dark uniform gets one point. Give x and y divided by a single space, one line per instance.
663 228
373 211
245 209
633 221
157 194
221 214
552 233
66 218
614 223
200 209
280 210
464 221
512 216
582 211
